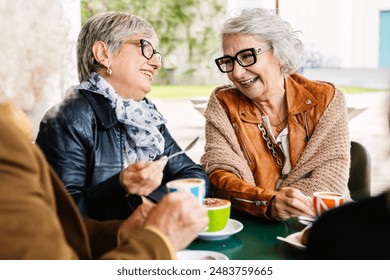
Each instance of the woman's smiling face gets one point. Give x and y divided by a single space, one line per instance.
132 73
260 79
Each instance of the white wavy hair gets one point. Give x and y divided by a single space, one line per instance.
34 48
267 25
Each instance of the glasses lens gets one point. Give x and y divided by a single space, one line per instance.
246 57
147 49
225 64
159 56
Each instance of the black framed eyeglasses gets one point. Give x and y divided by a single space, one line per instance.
245 58
147 49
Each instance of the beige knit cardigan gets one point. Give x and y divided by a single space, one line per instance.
323 166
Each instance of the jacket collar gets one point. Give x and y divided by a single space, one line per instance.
299 93
247 110
300 97
102 108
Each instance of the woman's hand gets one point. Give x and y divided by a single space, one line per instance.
290 202
180 217
135 220
142 178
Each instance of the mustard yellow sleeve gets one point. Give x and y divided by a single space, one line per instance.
143 244
29 225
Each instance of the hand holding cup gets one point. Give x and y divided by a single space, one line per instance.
180 217
194 186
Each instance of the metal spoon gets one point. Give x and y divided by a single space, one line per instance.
185 150
152 200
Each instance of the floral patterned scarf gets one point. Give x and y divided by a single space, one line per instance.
141 120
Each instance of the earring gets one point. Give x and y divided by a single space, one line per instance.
109 71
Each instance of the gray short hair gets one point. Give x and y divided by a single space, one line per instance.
266 25
113 28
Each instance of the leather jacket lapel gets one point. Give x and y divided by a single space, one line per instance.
102 108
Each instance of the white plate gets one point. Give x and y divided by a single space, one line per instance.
295 238
232 227
306 220
200 255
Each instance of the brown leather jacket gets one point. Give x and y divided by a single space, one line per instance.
306 102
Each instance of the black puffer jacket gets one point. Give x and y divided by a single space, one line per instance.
83 141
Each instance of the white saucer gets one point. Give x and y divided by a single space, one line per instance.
232 227
306 220
200 255
295 238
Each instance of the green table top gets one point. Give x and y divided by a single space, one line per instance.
256 241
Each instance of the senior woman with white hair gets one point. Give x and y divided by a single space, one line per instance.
106 140
273 137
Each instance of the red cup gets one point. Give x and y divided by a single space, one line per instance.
323 201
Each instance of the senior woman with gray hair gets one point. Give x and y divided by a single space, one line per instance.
273 137
106 140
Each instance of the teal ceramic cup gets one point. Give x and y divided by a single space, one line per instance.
194 186
219 213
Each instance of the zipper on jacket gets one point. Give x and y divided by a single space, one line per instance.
246 154
122 139
307 137
257 202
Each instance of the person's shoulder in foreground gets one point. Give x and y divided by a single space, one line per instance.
357 230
